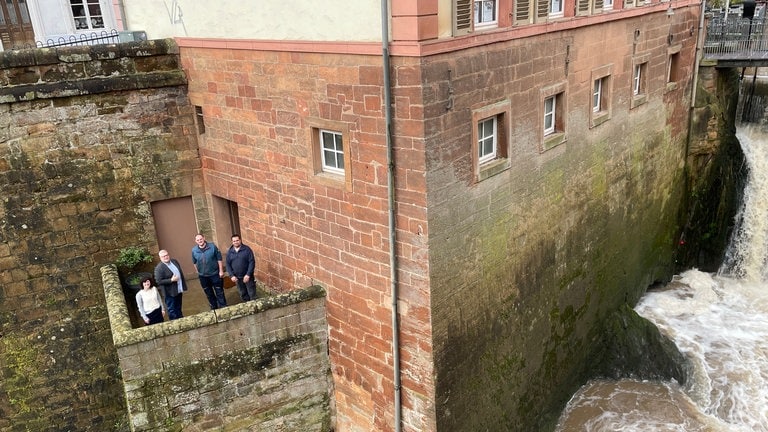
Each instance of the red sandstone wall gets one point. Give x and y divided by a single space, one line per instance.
258 109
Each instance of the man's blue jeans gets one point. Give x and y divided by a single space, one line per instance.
174 307
213 287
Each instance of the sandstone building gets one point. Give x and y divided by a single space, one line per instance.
476 194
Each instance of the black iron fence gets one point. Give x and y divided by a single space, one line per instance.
93 38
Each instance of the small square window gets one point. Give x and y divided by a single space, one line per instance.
332 151
486 13
330 142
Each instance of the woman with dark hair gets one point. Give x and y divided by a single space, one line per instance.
151 305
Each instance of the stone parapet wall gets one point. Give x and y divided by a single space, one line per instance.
47 73
260 364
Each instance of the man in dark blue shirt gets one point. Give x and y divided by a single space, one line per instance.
207 260
240 266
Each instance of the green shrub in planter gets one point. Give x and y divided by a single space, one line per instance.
132 256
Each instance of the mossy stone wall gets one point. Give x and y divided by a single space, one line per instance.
89 136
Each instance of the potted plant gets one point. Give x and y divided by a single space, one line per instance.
128 260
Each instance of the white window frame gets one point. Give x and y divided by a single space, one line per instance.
550 115
88 16
607 4
487 133
553 113
556 8
335 148
491 124
597 95
637 77
478 7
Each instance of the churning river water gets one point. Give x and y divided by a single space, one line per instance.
720 321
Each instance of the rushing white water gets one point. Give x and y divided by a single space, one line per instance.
720 322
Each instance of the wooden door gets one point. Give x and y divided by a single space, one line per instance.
175 227
15 26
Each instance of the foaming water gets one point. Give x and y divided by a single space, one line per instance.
720 322
747 254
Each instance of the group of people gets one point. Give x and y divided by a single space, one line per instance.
240 265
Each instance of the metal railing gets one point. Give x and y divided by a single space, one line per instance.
735 37
93 38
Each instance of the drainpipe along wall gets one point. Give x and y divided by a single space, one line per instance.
391 190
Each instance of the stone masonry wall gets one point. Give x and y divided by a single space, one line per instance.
260 364
89 136
261 109
527 262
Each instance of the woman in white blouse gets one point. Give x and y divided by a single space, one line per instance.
151 305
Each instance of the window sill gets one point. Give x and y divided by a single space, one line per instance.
599 118
553 140
493 167
671 86
638 100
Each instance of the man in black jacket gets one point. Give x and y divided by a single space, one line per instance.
171 283
240 266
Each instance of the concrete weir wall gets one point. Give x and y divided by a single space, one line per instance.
262 363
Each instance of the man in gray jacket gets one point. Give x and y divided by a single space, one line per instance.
171 283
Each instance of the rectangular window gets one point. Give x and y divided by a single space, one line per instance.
200 120
550 106
639 80
673 67
486 13
597 95
490 139
486 139
601 96
555 8
552 111
607 4
332 151
330 142
87 14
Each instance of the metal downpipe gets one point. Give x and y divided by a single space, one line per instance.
392 230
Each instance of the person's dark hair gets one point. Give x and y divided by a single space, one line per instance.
236 235
144 279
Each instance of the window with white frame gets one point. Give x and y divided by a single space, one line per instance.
490 139
550 115
332 151
607 4
87 14
555 8
553 111
597 95
639 80
330 141
601 95
486 13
